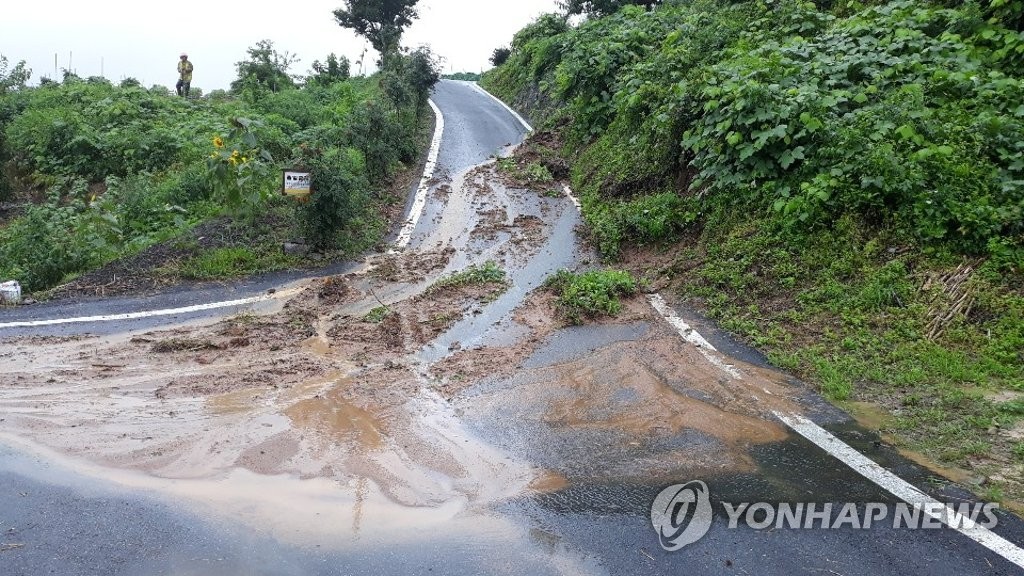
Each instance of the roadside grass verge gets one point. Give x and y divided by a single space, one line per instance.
233 262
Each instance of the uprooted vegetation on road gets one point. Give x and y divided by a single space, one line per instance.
841 187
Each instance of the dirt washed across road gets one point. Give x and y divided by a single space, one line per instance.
422 413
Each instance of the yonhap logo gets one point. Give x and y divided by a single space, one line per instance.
681 514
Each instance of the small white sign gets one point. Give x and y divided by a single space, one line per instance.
296 184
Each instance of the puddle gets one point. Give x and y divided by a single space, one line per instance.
549 482
338 419
317 345
868 415
311 512
875 418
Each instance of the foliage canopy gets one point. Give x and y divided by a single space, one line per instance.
381 22
601 7
265 69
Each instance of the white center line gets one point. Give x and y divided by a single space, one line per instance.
145 314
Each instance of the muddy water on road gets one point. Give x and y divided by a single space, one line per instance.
646 408
319 423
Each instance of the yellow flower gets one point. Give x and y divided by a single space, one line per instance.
235 154
218 142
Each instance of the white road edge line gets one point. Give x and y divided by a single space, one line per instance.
515 114
420 201
690 335
846 453
687 332
903 489
572 197
403 239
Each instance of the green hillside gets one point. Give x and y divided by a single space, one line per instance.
839 183
100 172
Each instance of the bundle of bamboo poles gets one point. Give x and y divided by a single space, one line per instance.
953 298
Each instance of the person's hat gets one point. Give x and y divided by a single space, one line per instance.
183 55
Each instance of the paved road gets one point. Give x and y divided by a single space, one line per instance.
71 520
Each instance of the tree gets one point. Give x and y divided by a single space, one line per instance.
500 55
266 69
333 70
601 7
381 22
12 78
422 72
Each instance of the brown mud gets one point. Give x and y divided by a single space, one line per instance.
328 390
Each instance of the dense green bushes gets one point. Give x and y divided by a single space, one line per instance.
890 114
905 114
124 167
849 180
339 206
536 50
93 130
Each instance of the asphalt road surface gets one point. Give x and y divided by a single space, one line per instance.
578 406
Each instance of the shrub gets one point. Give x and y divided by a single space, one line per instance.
904 114
500 55
340 203
192 184
31 252
487 273
383 137
591 293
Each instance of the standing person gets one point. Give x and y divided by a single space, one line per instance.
184 75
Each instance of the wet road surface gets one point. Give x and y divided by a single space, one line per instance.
468 433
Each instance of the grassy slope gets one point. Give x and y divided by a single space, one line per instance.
851 306
165 224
